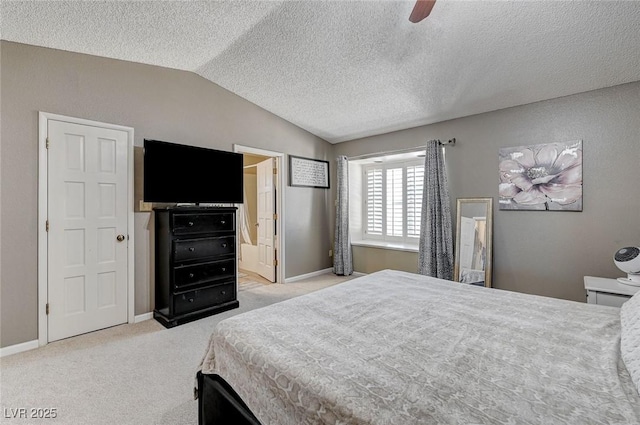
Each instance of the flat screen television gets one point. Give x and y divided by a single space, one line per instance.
175 173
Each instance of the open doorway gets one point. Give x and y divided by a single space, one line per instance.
260 229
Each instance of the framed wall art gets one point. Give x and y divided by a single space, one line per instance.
308 172
541 177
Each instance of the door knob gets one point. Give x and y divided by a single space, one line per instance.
120 238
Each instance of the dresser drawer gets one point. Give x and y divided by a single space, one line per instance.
194 249
185 224
201 273
204 298
603 298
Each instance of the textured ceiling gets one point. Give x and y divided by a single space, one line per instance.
348 69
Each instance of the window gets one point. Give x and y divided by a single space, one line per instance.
393 200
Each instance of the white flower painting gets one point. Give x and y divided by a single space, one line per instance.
541 177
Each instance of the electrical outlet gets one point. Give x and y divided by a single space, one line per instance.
330 253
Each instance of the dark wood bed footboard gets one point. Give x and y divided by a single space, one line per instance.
219 404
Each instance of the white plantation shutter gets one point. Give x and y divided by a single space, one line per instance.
374 201
394 202
415 181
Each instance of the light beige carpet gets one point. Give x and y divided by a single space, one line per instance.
129 374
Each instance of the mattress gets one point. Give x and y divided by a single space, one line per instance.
398 348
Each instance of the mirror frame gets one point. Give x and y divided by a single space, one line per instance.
489 238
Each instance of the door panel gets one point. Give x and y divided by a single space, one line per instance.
87 201
266 225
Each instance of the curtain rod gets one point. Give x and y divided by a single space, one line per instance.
449 142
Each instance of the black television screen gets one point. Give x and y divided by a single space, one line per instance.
180 173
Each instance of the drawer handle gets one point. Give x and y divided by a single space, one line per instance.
190 274
192 249
224 269
223 222
190 223
223 292
224 245
190 300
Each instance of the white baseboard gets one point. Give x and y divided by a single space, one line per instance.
30 345
19 348
142 317
317 273
308 275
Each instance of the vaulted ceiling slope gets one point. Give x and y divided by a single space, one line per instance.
348 69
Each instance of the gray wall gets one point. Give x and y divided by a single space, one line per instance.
1 194
545 253
369 260
158 103
0 191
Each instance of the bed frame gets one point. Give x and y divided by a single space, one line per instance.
219 404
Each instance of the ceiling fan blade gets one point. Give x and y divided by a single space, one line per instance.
421 10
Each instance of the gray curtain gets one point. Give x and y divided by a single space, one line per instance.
436 242
342 261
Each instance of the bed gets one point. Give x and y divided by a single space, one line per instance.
399 348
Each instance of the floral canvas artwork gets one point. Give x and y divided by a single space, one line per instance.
541 177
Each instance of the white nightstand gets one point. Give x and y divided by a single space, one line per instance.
608 291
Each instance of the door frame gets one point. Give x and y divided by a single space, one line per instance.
43 208
280 202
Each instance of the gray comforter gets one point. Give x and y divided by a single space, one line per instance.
399 348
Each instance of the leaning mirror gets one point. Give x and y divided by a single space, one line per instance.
473 241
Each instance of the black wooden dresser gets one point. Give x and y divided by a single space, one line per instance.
195 263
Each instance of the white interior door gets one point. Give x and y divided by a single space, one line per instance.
266 225
87 239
